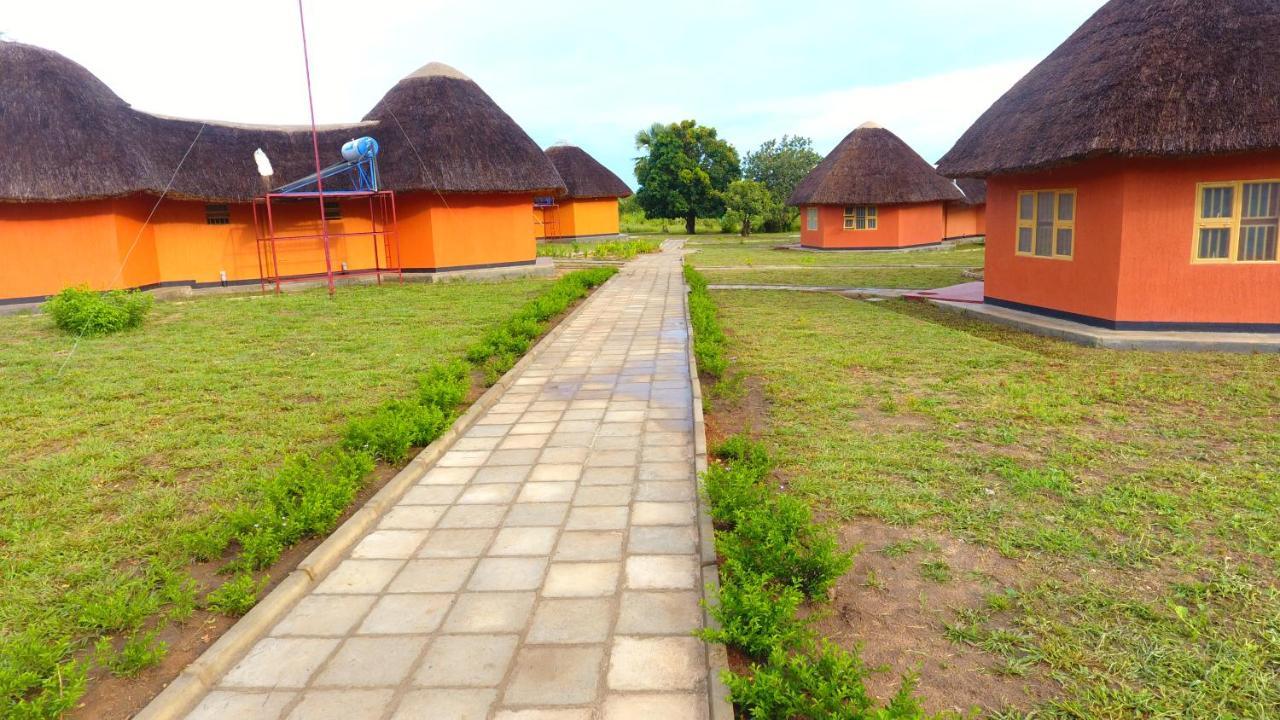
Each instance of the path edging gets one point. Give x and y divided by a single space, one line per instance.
717 656
182 694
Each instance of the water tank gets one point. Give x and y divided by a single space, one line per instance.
359 149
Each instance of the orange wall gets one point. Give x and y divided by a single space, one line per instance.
577 218
896 226
964 220
1133 245
465 230
104 244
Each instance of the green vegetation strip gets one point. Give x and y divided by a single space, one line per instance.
43 673
708 339
888 277
602 250
775 557
766 250
1136 491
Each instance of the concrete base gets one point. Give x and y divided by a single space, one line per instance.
951 244
543 267
1154 340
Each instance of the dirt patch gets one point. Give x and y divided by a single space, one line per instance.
888 607
738 406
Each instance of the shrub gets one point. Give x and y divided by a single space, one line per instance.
744 452
37 677
445 385
822 682
755 614
83 311
780 539
708 338
732 491
236 596
140 651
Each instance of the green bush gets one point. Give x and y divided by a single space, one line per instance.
140 651
708 338
732 491
780 539
236 596
822 682
741 451
755 614
445 385
37 678
83 311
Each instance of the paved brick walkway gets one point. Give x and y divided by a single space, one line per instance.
545 569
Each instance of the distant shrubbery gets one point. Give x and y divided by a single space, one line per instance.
708 338
82 311
776 557
607 250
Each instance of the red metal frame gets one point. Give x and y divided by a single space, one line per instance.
383 231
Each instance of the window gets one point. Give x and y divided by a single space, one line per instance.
860 217
811 222
217 215
544 201
332 210
1047 224
1237 221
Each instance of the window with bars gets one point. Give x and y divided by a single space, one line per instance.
332 210
860 217
1047 224
1237 221
811 220
217 214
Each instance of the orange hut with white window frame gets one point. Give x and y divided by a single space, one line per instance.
873 192
1155 205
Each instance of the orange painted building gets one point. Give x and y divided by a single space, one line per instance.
1160 214
873 192
111 197
967 218
589 206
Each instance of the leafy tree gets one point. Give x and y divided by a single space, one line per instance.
780 165
748 202
683 171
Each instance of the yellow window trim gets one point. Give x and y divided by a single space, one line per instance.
1232 224
873 218
1057 224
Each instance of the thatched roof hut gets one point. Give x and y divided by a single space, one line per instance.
1141 78
974 189
872 166
69 137
585 177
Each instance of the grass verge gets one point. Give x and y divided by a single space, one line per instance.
599 250
148 452
775 250
708 338
887 277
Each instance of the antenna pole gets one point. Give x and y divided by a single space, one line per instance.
315 148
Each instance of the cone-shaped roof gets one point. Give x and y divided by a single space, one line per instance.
974 189
1152 78
67 136
875 167
585 177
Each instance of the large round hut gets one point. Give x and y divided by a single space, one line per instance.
82 173
589 207
873 192
1133 174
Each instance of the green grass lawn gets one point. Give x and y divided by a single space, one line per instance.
148 436
887 277
763 250
1139 492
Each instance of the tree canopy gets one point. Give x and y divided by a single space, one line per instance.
780 165
748 202
683 172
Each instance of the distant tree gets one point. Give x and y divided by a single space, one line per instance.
748 202
683 171
780 165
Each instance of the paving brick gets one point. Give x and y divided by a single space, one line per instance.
432 575
489 494
414 517
473 516
430 495
677 491
665 663
324 615
662 572
649 707
555 676
446 704
222 704
456 543
407 614
663 513
528 541
608 476
597 518
541 514
659 613
392 544
371 662
589 545
523 456
547 492
554 472
524 442
280 663
571 620
342 705
660 540
490 612
603 495
448 476
466 661
501 474
360 576
582 579
508 573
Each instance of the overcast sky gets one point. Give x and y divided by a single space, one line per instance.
591 73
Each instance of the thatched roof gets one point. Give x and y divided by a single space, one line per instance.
1141 78
875 167
975 191
67 136
585 177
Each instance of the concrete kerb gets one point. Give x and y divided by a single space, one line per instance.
717 656
198 678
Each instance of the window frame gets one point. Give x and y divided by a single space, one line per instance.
812 218
332 209
1231 224
217 214
871 218
1058 224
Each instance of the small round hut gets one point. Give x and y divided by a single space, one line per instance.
873 192
967 218
589 207
1134 175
